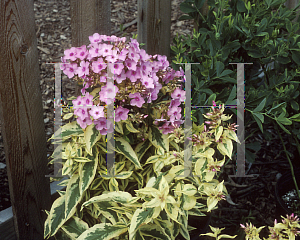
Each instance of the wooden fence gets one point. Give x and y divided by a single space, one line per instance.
21 101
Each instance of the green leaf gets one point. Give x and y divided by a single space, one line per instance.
287 131
103 231
261 34
231 96
257 117
277 107
123 147
255 54
210 99
254 146
220 67
241 6
260 106
295 105
185 17
296 117
296 57
187 8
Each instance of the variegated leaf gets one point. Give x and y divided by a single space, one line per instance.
91 136
130 127
103 231
124 175
121 197
225 147
218 132
72 196
74 227
142 148
119 127
158 139
139 218
71 129
155 231
88 172
56 217
123 147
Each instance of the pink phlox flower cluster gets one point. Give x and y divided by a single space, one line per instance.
127 62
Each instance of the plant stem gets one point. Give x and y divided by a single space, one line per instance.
290 162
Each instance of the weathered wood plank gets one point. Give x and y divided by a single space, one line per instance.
154 26
7 228
21 113
87 18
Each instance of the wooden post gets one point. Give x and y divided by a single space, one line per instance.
21 113
87 18
292 4
154 26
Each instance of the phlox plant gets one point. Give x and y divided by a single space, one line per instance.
146 194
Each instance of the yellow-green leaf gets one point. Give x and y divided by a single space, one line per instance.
123 147
104 231
130 127
74 227
91 136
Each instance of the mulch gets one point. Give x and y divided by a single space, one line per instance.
252 198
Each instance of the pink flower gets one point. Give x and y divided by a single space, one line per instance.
82 52
71 54
130 64
113 57
97 112
108 93
144 56
174 113
175 103
84 122
147 82
121 77
94 51
87 100
82 112
133 75
166 128
70 70
77 101
83 69
137 100
99 65
122 55
121 114
116 68
178 94
95 38
133 55
105 49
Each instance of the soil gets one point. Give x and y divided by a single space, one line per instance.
251 198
